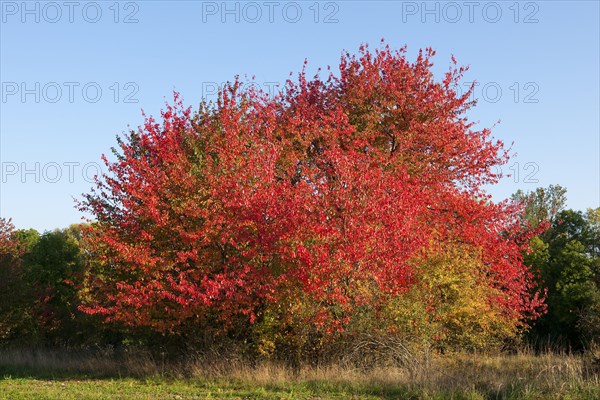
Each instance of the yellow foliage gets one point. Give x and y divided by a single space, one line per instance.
451 302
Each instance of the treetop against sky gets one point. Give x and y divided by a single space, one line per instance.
534 63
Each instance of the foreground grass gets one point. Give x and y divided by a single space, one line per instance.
462 376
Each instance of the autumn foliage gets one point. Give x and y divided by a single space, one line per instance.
11 275
349 203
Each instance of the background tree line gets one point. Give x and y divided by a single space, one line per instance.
39 294
567 258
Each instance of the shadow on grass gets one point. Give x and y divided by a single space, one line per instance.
73 365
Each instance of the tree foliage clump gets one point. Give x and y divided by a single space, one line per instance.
567 256
11 281
38 296
346 204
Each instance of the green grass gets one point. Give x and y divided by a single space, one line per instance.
47 375
128 388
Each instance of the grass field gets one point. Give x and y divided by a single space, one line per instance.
27 375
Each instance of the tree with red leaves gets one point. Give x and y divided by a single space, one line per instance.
12 284
308 208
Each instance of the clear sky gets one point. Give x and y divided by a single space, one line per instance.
75 74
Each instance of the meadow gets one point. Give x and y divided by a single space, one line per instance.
521 375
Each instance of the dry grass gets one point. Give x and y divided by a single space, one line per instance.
65 363
496 376
485 376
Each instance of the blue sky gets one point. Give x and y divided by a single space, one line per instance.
75 74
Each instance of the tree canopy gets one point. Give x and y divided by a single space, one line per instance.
310 210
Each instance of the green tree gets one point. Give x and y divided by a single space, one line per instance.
52 263
566 256
15 311
543 204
